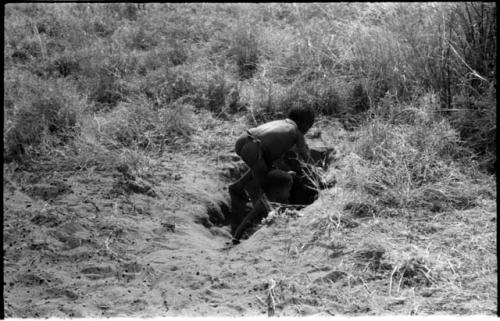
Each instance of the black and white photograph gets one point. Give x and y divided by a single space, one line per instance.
249 160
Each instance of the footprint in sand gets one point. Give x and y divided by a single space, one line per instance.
48 220
39 246
220 285
131 270
72 235
212 294
58 292
31 279
47 191
238 308
138 305
99 272
70 242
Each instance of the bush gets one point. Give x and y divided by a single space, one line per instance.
102 29
64 65
166 85
220 96
141 39
150 61
323 95
141 125
358 100
38 112
213 89
245 51
178 53
106 92
475 120
405 154
26 51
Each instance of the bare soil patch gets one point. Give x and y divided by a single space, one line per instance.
113 244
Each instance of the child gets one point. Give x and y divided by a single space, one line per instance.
277 185
260 146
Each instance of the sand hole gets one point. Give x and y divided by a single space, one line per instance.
219 213
307 182
304 191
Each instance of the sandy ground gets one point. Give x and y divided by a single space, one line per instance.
102 243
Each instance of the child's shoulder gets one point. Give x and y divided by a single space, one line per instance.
285 121
281 123
289 121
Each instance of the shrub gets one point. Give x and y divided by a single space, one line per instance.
123 125
28 49
64 65
177 53
57 23
263 99
323 95
175 121
38 112
221 95
214 89
245 51
473 34
297 96
55 47
475 120
131 11
163 55
165 85
142 39
151 60
406 153
358 100
101 28
106 92
329 100
216 94
140 125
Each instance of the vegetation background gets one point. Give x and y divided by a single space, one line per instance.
143 70
406 91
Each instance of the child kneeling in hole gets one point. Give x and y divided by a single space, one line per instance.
260 146
277 186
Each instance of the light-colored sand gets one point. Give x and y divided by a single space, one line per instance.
89 251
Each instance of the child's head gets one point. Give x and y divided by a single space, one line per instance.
277 185
303 117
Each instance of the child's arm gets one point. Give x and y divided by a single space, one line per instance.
302 148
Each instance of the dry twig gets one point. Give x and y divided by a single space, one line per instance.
271 303
390 280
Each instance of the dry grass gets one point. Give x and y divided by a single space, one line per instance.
339 59
434 253
423 264
408 258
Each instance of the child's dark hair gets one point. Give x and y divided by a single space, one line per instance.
276 179
303 117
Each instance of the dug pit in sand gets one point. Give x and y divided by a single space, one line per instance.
277 186
300 189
